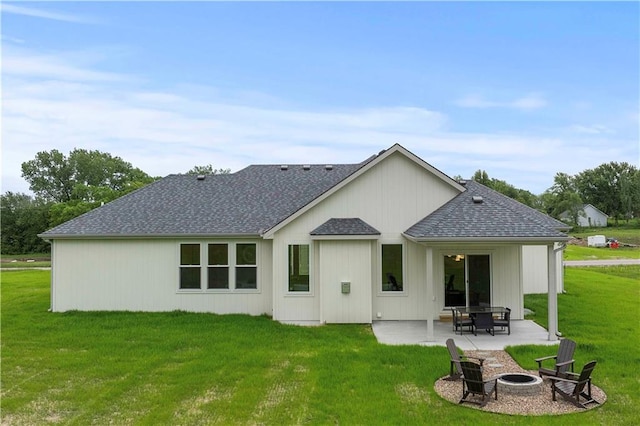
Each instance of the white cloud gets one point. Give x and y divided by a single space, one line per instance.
171 130
594 129
67 66
40 13
528 102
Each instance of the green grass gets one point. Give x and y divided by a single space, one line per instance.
42 260
186 368
573 252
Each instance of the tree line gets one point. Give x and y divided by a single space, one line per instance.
66 186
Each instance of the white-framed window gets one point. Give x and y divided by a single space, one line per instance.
392 267
218 266
190 270
246 266
230 266
298 268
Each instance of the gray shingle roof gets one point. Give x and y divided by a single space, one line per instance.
345 226
243 203
497 216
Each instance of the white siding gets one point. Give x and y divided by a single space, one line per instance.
142 275
535 267
391 197
345 261
411 304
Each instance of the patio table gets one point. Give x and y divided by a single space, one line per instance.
482 316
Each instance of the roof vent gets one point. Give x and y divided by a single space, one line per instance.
328 167
462 182
477 199
284 167
200 177
306 167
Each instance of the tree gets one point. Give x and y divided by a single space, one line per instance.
612 187
89 176
23 218
563 197
207 170
521 195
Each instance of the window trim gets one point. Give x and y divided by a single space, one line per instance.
180 266
204 267
390 293
310 292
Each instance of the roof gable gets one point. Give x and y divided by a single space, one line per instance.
367 165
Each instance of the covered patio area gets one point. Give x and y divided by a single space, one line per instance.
523 332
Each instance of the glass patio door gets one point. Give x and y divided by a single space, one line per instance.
467 280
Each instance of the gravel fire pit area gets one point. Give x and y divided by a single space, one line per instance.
520 392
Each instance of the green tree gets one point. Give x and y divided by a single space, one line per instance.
23 218
562 197
88 176
521 195
612 187
207 170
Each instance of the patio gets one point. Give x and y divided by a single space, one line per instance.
523 332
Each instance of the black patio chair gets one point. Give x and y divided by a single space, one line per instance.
474 384
456 358
563 360
460 322
505 321
572 386
483 321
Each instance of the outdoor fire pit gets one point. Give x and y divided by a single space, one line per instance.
519 384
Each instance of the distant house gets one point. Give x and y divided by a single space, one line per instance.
390 238
589 216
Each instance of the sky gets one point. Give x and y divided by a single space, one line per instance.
522 90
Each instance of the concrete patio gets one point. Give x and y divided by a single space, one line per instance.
523 332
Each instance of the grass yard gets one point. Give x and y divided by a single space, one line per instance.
185 368
573 252
30 260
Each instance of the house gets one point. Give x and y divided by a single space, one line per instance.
588 216
391 238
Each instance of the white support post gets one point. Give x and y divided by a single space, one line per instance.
552 293
430 294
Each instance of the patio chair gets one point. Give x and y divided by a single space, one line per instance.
473 384
572 387
505 321
456 358
483 321
563 360
459 322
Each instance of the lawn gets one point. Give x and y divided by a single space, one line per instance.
186 368
573 252
31 260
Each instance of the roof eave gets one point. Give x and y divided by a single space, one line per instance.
492 240
48 237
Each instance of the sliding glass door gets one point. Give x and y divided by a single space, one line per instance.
467 280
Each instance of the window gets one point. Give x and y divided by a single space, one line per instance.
246 270
189 266
299 267
218 266
392 277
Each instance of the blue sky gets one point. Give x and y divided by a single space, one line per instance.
521 90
